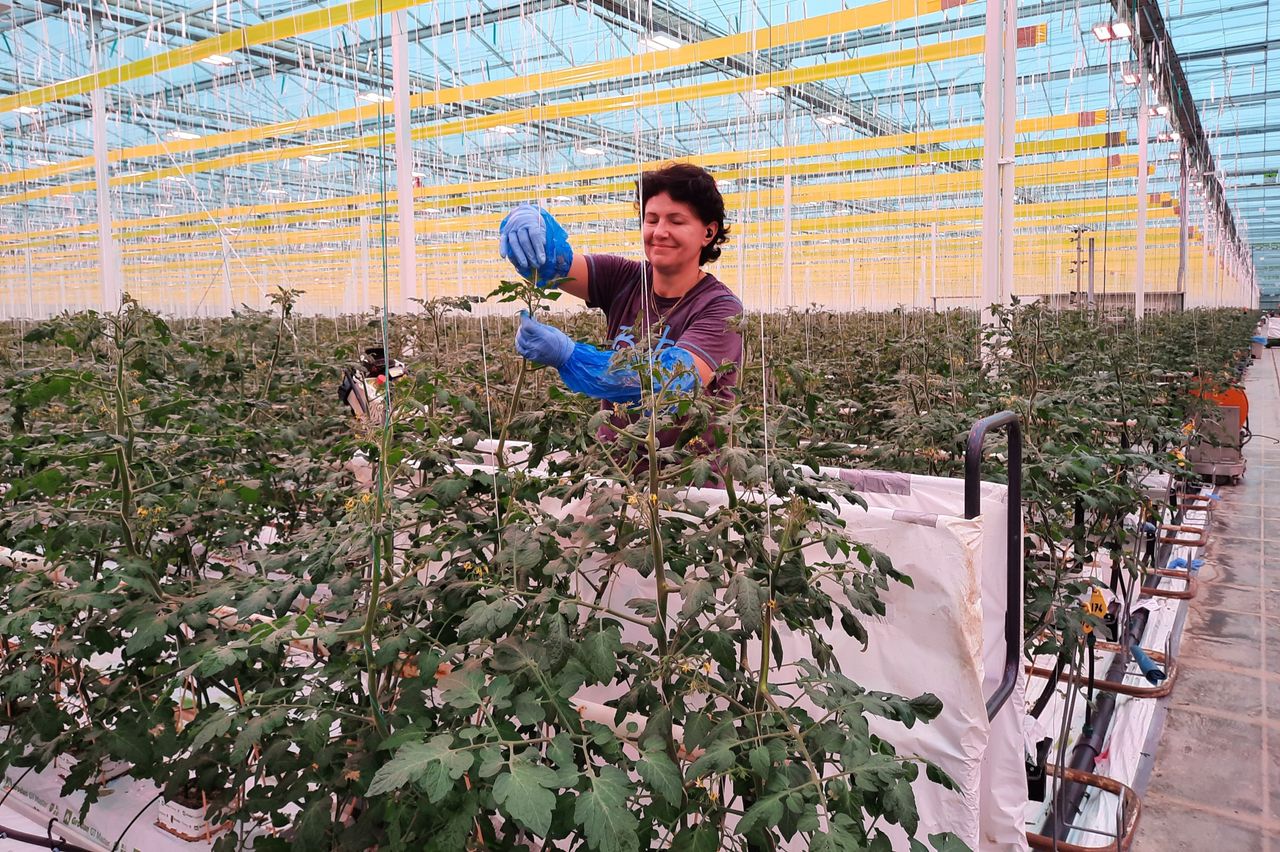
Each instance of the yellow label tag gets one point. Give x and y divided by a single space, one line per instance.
1096 606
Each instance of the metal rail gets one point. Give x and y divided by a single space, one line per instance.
973 508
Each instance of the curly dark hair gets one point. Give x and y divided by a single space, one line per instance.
692 185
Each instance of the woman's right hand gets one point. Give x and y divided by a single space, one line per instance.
535 243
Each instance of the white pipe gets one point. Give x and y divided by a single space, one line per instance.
1140 222
111 284
787 293
1183 203
999 105
404 158
1008 126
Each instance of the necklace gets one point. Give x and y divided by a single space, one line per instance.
657 310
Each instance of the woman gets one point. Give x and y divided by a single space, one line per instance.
683 227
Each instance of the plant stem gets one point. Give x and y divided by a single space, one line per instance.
511 411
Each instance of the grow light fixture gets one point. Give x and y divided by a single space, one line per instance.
219 60
504 129
314 158
185 135
560 198
1158 111
374 97
419 174
164 206
590 150
1131 77
274 191
1113 31
832 119
176 179
659 41
767 90
37 161
430 209
27 110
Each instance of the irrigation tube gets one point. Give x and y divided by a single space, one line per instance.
1087 748
41 841
1067 803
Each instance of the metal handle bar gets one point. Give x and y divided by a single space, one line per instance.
973 508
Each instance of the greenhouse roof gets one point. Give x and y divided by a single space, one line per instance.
297 116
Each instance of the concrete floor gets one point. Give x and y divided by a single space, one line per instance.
1216 783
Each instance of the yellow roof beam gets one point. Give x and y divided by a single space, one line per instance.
1047 124
919 55
780 35
228 42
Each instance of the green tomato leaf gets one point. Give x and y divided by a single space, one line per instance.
662 776
900 806
210 730
524 794
763 815
434 765
487 618
603 814
599 653
148 633
460 688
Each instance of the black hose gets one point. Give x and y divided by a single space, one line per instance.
44 842
1089 745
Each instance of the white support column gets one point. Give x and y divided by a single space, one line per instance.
999 107
1140 221
228 296
31 301
1008 124
404 158
787 289
933 266
1183 203
364 265
1217 267
108 258
1205 294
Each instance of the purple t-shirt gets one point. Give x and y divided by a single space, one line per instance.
697 322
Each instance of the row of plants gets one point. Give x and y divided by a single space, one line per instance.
331 634
222 606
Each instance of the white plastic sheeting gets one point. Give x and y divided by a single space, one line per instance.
1003 786
945 636
37 797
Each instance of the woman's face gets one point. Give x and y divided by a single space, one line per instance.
673 234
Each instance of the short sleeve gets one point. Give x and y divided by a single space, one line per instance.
607 276
710 336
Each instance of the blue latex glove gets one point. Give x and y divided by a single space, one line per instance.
535 242
587 371
541 343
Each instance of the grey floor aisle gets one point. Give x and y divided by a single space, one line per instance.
1216 785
